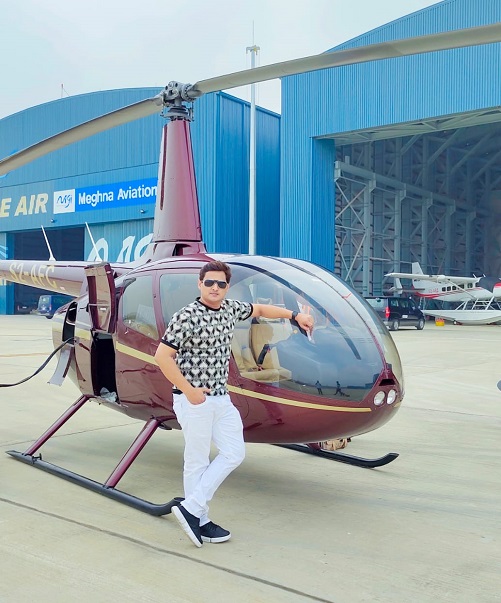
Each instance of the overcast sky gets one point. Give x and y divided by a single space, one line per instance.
51 48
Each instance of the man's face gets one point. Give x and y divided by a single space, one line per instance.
211 292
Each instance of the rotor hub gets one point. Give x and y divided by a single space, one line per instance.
174 97
176 90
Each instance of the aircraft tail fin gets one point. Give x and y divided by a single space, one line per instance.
416 268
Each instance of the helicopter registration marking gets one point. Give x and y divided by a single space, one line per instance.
246 392
38 275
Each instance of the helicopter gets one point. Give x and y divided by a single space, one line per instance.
291 388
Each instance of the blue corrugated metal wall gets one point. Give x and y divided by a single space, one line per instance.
267 183
371 95
220 130
113 150
119 241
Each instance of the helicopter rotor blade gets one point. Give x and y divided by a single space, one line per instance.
487 34
448 40
119 117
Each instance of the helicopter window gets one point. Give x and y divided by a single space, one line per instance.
137 307
177 291
340 359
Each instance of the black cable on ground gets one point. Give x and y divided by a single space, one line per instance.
71 339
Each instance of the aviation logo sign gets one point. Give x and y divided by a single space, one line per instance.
64 202
105 196
70 201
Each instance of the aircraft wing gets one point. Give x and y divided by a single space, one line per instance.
435 278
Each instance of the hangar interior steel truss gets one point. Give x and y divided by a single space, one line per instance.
426 193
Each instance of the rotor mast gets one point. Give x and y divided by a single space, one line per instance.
177 229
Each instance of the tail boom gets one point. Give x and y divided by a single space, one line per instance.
59 277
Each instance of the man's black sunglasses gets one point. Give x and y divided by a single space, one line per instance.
210 283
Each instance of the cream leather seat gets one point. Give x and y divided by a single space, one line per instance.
246 361
262 335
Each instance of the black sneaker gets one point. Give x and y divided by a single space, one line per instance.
211 532
189 523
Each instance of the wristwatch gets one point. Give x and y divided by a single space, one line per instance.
294 314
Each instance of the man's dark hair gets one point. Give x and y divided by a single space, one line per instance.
215 267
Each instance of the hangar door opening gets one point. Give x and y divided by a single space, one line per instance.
67 244
428 192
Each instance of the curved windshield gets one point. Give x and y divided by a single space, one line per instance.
341 358
366 312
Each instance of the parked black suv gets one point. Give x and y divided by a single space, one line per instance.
397 312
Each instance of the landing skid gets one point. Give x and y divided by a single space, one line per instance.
357 461
127 499
108 488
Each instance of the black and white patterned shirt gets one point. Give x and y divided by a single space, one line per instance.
202 337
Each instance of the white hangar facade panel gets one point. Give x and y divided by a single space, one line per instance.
109 181
395 161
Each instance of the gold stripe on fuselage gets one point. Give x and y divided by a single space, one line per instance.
246 392
125 349
128 351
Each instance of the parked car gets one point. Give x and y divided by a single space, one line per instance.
22 307
48 304
397 312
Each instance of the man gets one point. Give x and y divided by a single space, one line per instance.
194 356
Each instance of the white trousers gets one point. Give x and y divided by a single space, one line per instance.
215 420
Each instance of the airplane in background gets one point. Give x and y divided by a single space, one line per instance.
478 297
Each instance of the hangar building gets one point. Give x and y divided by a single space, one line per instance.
369 168
397 161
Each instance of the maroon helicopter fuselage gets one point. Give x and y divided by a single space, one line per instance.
120 360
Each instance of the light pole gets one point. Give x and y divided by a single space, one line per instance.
252 158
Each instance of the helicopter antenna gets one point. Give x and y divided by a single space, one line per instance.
51 255
96 250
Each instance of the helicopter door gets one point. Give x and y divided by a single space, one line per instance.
102 297
102 314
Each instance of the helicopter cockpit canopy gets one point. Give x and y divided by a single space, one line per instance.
348 350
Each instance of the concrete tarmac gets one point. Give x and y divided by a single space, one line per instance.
425 528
